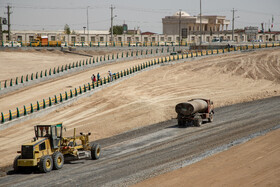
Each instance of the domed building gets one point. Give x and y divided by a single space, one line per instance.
191 24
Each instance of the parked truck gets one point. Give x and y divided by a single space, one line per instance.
193 112
44 42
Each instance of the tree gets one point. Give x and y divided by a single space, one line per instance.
67 29
117 29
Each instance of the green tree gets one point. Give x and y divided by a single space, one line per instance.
67 29
117 29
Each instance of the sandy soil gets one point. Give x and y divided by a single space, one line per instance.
54 87
17 63
150 97
255 163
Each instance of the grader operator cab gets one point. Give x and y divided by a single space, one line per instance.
49 149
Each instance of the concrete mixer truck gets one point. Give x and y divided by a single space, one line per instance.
193 112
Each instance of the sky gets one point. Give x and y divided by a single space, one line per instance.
52 15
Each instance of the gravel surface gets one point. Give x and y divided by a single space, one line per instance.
145 152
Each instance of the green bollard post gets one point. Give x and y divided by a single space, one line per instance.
61 99
71 93
11 82
80 88
31 76
76 92
21 81
55 99
18 114
26 78
36 75
85 88
10 115
38 106
89 87
3 118
16 82
66 95
24 110
31 108
44 103
50 101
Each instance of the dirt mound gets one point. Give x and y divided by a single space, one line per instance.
258 65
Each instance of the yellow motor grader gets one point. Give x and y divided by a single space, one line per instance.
49 149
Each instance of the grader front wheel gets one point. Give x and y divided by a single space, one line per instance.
16 167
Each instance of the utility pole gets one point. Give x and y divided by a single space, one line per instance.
9 22
112 18
87 24
200 25
180 27
1 34
233 11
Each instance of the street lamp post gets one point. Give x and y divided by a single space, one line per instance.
87 24
200 25
84 30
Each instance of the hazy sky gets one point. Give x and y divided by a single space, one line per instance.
146 14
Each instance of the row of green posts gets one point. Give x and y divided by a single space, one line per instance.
66 67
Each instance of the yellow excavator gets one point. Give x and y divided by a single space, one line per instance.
49 149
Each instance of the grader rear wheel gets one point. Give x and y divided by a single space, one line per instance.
95 151
58 160
46 164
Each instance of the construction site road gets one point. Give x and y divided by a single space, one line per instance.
142 153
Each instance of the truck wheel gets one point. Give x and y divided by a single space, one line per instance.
210 119
95 151
58 160
46 164
198 121
16 167
181 122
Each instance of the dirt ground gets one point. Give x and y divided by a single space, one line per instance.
255 163
15 64
150 96
20 62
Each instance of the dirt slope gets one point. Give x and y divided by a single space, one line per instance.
255 163
150 97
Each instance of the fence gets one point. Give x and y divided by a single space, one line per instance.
89 86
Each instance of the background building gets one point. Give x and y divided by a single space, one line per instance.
191 24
